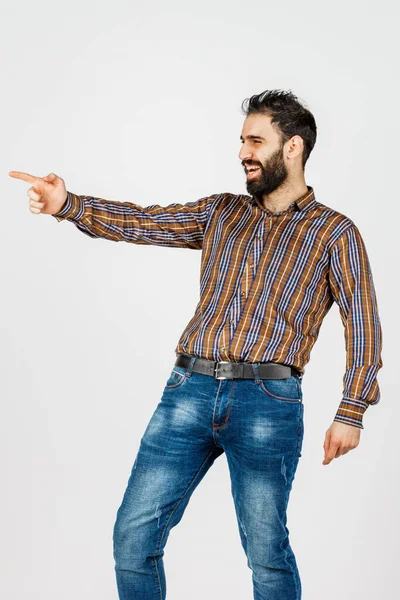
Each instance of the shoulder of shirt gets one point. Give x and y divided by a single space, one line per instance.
229 196
334 214
222 198
338 223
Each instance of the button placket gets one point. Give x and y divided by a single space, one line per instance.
246 283
250 281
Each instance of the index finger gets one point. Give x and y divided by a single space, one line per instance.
24 176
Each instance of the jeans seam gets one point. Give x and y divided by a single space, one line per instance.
287 493
158 577
285 553
299 431
183 495
216 426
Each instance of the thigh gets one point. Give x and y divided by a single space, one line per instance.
263 443
175 452
177 440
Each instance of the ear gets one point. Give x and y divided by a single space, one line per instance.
294 146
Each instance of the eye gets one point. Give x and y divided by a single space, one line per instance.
254 141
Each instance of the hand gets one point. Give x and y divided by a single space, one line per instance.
47 195
339 439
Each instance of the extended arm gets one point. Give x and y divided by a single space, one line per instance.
176 225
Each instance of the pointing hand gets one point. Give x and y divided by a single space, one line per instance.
47 194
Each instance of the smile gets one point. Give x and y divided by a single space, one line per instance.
251 173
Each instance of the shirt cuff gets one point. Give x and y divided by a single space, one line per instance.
73 208
351 412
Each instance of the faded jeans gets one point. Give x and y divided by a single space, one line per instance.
258 423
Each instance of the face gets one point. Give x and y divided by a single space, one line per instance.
262 148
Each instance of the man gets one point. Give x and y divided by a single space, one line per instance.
272 265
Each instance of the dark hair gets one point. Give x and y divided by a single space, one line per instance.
290 116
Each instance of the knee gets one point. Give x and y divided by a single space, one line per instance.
135 541
126 544
269 555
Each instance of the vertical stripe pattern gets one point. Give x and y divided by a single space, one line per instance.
266 280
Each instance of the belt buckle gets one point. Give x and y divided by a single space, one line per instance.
216 369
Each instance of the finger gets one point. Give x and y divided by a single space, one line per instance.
328 457
327 443
332 451
342 450
34 204
35 211
50 178
24 176
335 451
32 193
331 454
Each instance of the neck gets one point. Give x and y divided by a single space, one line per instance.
284 195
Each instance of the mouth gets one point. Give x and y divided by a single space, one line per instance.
252 172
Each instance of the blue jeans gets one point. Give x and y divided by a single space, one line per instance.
258 423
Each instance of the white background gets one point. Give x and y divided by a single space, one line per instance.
135 101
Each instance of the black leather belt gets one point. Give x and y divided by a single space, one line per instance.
236 370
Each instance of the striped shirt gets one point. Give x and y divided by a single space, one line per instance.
266 282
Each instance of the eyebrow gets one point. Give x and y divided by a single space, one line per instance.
253 137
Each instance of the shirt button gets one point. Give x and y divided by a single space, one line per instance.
232 320
222 348
251 265
242 293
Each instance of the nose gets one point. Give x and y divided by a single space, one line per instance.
244 154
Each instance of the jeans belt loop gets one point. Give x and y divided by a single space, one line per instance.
190 366
256 372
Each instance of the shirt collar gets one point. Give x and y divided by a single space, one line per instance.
306 199
304 202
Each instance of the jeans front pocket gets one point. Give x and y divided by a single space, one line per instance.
176 377
284 390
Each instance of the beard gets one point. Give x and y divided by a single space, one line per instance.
270 176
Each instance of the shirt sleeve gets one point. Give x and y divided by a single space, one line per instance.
352 288
175 225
